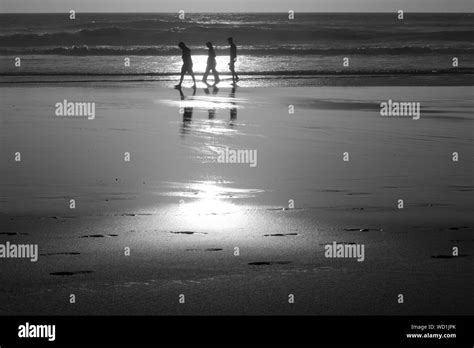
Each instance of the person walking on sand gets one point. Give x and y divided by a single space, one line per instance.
187 64
233 58
211 65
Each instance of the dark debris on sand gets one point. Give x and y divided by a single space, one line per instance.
187 232
280 234
268 263
70 273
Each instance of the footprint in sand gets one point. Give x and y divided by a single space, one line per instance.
268 263
70 273
457 228
448 256
62 253
187 232
14 233
60 217
362 229
330 191
280 234
348 243
283 209
133 214
99 235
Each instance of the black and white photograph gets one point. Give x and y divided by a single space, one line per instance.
222 166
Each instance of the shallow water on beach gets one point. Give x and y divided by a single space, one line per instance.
175 137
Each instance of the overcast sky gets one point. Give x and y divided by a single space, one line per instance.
236 5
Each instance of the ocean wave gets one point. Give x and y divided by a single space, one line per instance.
246 50
165 33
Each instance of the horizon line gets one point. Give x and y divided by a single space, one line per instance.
248 12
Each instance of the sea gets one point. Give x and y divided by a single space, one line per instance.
271 46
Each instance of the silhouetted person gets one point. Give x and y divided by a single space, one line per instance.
211 65
187 64
233 58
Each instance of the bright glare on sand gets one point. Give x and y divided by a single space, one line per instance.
210 203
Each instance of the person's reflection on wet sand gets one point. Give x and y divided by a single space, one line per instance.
233 110
212 111
187 112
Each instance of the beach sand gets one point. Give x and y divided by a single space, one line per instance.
182 214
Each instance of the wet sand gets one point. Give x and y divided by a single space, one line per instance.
182 214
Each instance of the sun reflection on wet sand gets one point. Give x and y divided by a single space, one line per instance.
210 204
207 101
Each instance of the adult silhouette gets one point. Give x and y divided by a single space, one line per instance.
187 64
233 59
211 65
